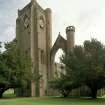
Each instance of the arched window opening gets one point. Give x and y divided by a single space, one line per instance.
58 66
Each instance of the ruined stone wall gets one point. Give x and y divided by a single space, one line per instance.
23 29
23 41
34 39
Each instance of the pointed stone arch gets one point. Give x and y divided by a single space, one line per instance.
60 43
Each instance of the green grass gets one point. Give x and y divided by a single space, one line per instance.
51 101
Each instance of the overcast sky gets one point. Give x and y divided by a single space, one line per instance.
88 16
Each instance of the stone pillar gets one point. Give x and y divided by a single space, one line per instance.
70 32
34 50
48 15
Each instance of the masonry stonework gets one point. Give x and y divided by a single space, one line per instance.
34 37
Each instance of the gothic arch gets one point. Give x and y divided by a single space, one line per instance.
59 43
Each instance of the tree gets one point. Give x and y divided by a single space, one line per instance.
14 68
87 65
2 73
95 57
65 83
62 85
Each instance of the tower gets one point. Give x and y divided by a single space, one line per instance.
48 15
33 34
70 32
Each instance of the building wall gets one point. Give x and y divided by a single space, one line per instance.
23 29
31 36
34 37
41 26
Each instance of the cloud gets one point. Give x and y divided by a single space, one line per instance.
8 34
88 16
8 15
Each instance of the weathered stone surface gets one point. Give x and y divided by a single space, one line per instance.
34 37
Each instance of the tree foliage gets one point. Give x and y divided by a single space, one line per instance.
14 68
62 85
85 65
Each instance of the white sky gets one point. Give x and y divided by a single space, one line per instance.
88 16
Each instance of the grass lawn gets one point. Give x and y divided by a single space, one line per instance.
51 101
11 99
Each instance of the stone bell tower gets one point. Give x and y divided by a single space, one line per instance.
33 34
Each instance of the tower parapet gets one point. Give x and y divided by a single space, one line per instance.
70 28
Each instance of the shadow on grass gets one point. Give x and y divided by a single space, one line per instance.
56 98
82 99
